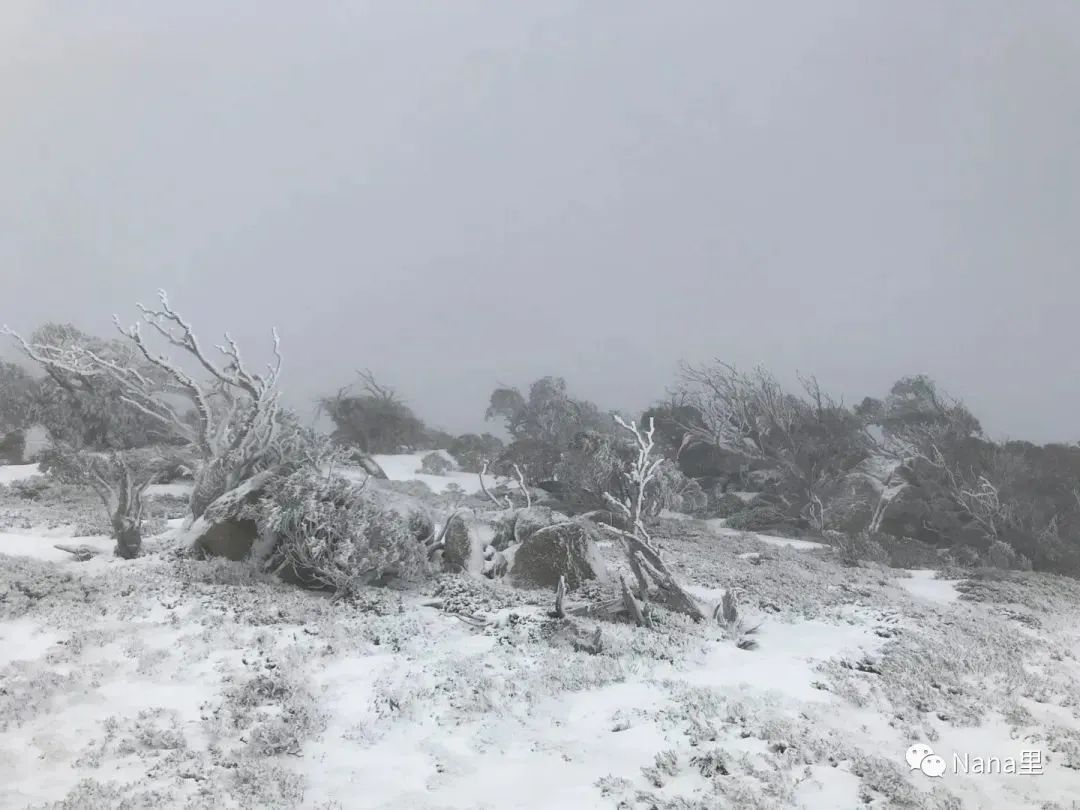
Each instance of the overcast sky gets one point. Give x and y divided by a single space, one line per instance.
458 193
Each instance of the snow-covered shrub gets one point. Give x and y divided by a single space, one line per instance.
857 547
435 463
1002 555
964 556
591 466
725 504
758 519
413 488
472 450
373 418
330 533
672 490
12 447
34 488
907 552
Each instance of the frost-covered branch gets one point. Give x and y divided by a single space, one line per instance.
521 484
507 504
640 474
643 558
237 419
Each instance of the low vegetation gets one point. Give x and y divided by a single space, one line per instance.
281 621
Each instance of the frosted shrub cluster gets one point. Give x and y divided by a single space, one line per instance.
334 534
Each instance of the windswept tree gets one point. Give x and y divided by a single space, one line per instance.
373 418
916 417
81 406
810 438
18 392
229 414
542 425
119 478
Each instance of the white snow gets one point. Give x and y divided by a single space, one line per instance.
405 466
783 664
10 473
24 640
923 584
717 525
531 750
745 497
42 548
181 489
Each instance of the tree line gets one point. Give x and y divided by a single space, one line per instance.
910 469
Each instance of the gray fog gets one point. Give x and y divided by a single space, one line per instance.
458 194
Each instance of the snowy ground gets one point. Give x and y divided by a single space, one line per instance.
167 682
10 473
717 525
406 467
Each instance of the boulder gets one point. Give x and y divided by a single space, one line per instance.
517 525
562 550
232 538
220 531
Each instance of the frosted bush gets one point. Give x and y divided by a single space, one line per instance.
435 463
331 533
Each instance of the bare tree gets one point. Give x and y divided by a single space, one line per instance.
975 493
231 416
644 558
119 479
810 438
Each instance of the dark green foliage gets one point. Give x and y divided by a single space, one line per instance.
1001 555
759 519
670 419
537 460
592 465
12 447
87 408
916 412
34 488
724 504
858 547
542 426
374 424
435 463
18 391
906 552
471 450
549 413
376 421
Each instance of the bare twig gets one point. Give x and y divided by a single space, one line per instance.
483 486
524 489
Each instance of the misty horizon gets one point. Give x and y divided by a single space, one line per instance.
459 197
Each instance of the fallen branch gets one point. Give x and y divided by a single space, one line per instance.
81 553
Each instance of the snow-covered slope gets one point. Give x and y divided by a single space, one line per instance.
169 682
406 467
10 473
